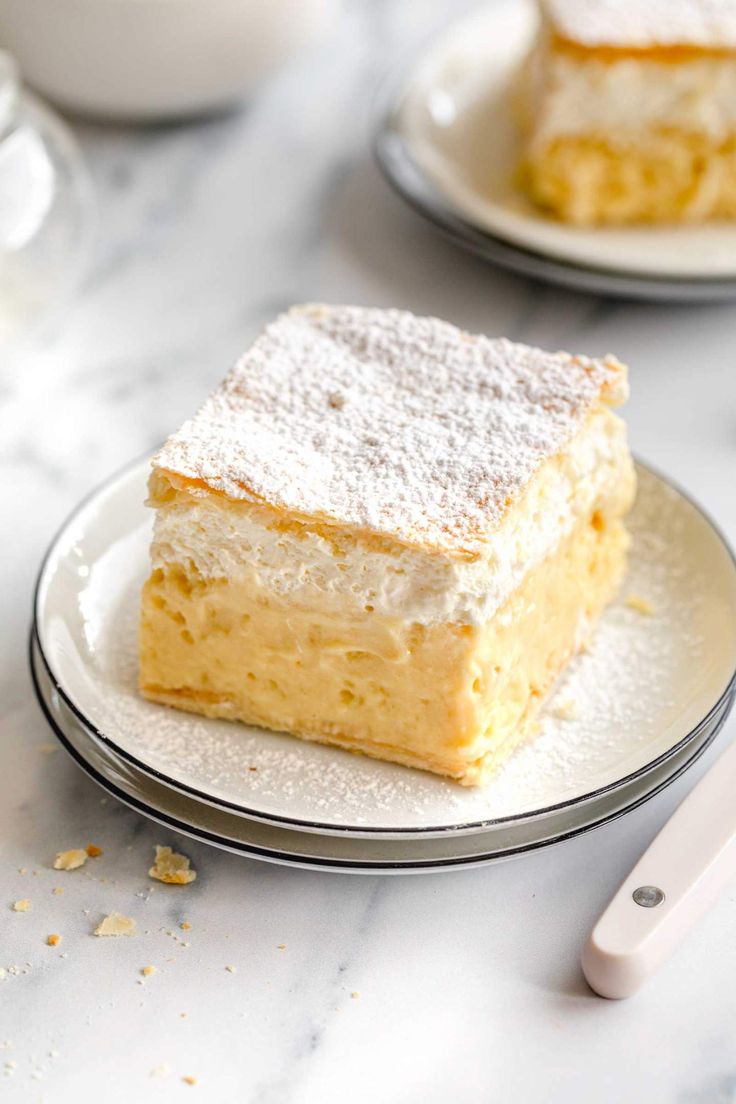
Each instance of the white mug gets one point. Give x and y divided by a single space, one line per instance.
155 59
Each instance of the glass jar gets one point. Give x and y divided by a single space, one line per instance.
45 210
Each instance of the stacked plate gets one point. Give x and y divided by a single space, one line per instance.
632 714
448 141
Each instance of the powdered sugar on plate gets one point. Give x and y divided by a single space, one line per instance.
658 662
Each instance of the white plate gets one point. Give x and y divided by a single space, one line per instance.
641 691
376 854
455 116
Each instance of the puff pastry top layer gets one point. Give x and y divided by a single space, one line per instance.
380 421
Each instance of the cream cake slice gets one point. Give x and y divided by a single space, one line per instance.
630 110
384 533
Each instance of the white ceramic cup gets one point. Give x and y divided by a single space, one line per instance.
155 59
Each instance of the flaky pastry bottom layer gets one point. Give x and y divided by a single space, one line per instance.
658 176
453 699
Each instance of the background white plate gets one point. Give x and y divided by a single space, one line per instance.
645 684
456 118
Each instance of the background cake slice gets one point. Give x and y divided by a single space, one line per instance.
631 109
383 533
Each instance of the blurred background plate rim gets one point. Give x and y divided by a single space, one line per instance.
393 153
405 177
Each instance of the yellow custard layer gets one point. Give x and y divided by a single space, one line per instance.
453 699
661 176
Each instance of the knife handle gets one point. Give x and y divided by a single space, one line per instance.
673 884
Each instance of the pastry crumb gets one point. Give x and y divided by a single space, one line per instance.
231 969
567 709
189 1080
355 994
281 947
640 604
147 971
53 940
57 891
172 868
116 924
22 869
93 850
22 906
70 860
185 925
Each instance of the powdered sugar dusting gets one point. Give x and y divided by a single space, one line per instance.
638 690
381 420
704 23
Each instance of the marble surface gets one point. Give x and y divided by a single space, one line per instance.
468 985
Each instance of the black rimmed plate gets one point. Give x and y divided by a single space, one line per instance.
648 686
375 855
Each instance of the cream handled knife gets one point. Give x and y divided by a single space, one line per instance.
673 884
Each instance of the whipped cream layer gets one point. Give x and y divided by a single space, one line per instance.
574 95
225 539
707 24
